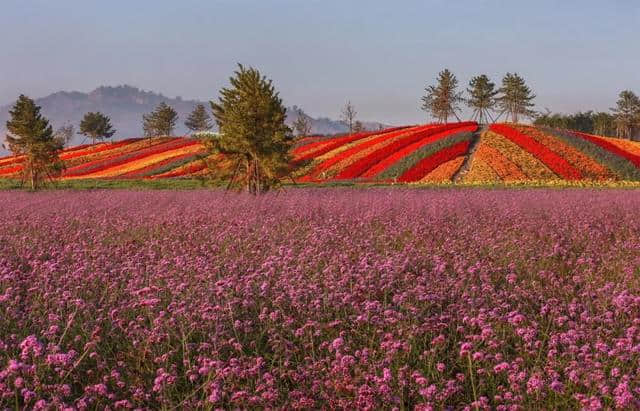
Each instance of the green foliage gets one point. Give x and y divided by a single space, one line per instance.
482 98
253 133
627 114
96 126
160 122
516 98
30 135
587 122
443 100
199 119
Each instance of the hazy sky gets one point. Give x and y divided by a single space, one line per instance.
576 55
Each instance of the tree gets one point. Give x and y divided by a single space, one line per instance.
358 127
30 135
253 133
482 98
64 134
627 114
516 98
96 126
302 124
348 116
442 101
199 119
603 124
160 122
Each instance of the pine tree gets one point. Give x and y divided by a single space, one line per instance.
96 126
516 98
160 122
302 124
443 100
627 114
349 114
30 135
199 119
482 98
253 133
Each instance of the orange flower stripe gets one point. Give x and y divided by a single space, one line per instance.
632 147
526 162
501 165
143 162
576 158
480 171
444 172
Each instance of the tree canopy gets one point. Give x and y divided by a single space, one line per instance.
516 98
96 126
482 98
199 120
443 100
160 122
627 114
253 133
30 135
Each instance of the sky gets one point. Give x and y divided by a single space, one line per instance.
380 55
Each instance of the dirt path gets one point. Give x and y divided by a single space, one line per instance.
475 139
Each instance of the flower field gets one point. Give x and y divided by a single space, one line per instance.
320 299
431 153
509 152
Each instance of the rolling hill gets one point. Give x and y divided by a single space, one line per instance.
431 153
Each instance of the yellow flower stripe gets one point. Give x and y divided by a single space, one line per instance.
480 171
127 148
526 162
444 172
501 165
587 165
143 162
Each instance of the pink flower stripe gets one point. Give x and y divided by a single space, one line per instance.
362 165
428 164
325 165
612 148
557 164
101 165
400 154
343 140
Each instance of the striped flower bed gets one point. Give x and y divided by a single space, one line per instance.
430 163
445 171
162 166
504 169
612 148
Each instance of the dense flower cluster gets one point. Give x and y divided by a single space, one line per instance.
349 299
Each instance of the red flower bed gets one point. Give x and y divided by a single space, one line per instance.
353 150
92 149
10 170
635 159
428 164
342 140
362 165
155 166
405 151
183 171
557 164
100 165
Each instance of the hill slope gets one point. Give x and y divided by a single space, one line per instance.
411 154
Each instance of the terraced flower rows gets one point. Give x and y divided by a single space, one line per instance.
429 153
525 153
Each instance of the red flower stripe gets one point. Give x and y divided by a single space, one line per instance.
612 148
362 165
557 164
405 151
183 171
100 165
155 166
344 140
97 148
357 148
428 164
10 170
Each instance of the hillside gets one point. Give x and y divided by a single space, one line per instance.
432 153
126 105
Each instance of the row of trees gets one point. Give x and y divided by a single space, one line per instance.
623 121
443 100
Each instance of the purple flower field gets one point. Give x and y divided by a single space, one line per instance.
320 298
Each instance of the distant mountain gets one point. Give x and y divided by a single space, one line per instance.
126 105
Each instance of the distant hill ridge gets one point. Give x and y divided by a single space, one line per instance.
126 104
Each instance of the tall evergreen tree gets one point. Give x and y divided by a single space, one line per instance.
627 114
253 133
443 100
302 124
96 126
30 135
348 116
199 119
160 122
482 98
516 98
